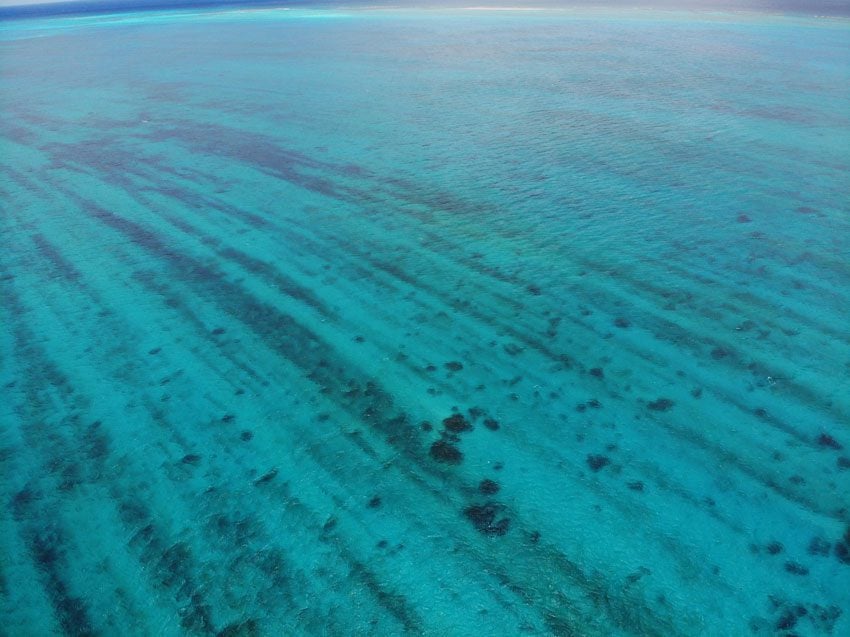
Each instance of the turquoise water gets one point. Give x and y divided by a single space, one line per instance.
425 322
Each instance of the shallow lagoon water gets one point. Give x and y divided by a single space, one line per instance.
425 322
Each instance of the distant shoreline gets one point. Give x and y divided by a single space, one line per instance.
94 7
825 8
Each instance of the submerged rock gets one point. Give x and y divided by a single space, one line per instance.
476 412
825 440
483 518
661 404
457 423
488 487
819 546
445 452
795 568
719 353
842 548
247 628
597 462
774 548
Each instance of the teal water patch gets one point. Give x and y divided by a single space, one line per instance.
425 322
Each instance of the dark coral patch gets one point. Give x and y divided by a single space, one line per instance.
218 331
453 366
155 350
488 487
787 620
843 463
491 424
774 548
795 568
819 546
719 353
622 322
191 458
742 218
483 518
96 441
246 435
597 462
824 617
374 502
597 372
661 404
457 423
842 548
512 349
425 426
445 452
825 440
247 628
746 326
228 418
534 290
637 485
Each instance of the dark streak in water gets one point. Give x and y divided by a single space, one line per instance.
59 262
280 332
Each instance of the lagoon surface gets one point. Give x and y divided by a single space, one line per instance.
425 322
